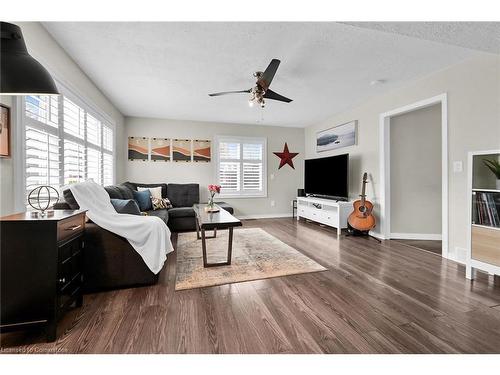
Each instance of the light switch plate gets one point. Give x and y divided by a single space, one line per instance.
458 166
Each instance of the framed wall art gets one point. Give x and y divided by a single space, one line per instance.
138 148
4 131
181 150
160 149
202 150
337 137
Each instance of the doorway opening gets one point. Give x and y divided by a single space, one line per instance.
414 204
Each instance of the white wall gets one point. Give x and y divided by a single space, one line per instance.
473 89
282 189
415 144
46 50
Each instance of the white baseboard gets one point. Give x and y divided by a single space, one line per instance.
416 236
263 216
377 235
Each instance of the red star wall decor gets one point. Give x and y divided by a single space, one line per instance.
286 157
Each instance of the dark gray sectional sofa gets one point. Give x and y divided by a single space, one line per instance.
109 260
180 217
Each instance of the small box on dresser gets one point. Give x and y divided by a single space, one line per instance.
41 269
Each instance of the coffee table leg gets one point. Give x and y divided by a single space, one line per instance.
197 230
229 249
230 246
204 247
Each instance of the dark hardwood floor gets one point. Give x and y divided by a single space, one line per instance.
374 298
428 245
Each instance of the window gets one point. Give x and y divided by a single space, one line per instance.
65 143
241 166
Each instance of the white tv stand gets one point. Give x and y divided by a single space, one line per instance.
325 211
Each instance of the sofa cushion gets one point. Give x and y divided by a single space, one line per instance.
126 206
162 214
180 212
154 191
70 199
135 185
183 195
126 192
143 199
130 185
119 192
61 205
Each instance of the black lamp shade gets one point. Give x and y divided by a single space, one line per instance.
21 74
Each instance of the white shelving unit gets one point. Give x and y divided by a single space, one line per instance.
483 251
325 211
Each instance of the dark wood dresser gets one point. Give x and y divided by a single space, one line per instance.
41 269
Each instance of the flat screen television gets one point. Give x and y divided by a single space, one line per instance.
327 177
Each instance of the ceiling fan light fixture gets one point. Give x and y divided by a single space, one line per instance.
21 74
261 89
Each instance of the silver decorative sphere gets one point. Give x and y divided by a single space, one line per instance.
43 197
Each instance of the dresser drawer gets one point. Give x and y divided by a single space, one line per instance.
70 262
486 245
68 249
70 227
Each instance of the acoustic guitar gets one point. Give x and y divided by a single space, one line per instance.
361 217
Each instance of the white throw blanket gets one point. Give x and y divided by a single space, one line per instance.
148 235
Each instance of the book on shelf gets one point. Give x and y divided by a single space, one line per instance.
487 208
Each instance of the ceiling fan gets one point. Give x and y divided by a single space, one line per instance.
261 90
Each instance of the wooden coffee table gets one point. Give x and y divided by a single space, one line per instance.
213 221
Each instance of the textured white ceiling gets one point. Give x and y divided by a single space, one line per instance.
482 36
166 70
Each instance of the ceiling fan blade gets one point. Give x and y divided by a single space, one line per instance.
230 92
270 94
267 77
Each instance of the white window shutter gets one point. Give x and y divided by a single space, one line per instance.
93 130
107 169
229 176
74 119
94 165
42 159
74 162
241 166
65 142
107 138
43 108
252 176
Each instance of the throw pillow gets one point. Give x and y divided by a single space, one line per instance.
126 206
143 199
155 191
167 203
160 203
70 199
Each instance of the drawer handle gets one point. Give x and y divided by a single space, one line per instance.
74 227
62 280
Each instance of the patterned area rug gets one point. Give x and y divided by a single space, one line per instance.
256 255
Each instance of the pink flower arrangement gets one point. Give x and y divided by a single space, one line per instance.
214 189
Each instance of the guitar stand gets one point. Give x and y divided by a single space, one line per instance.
358 233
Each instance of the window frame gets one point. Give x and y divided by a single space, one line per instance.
23 121
242 139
